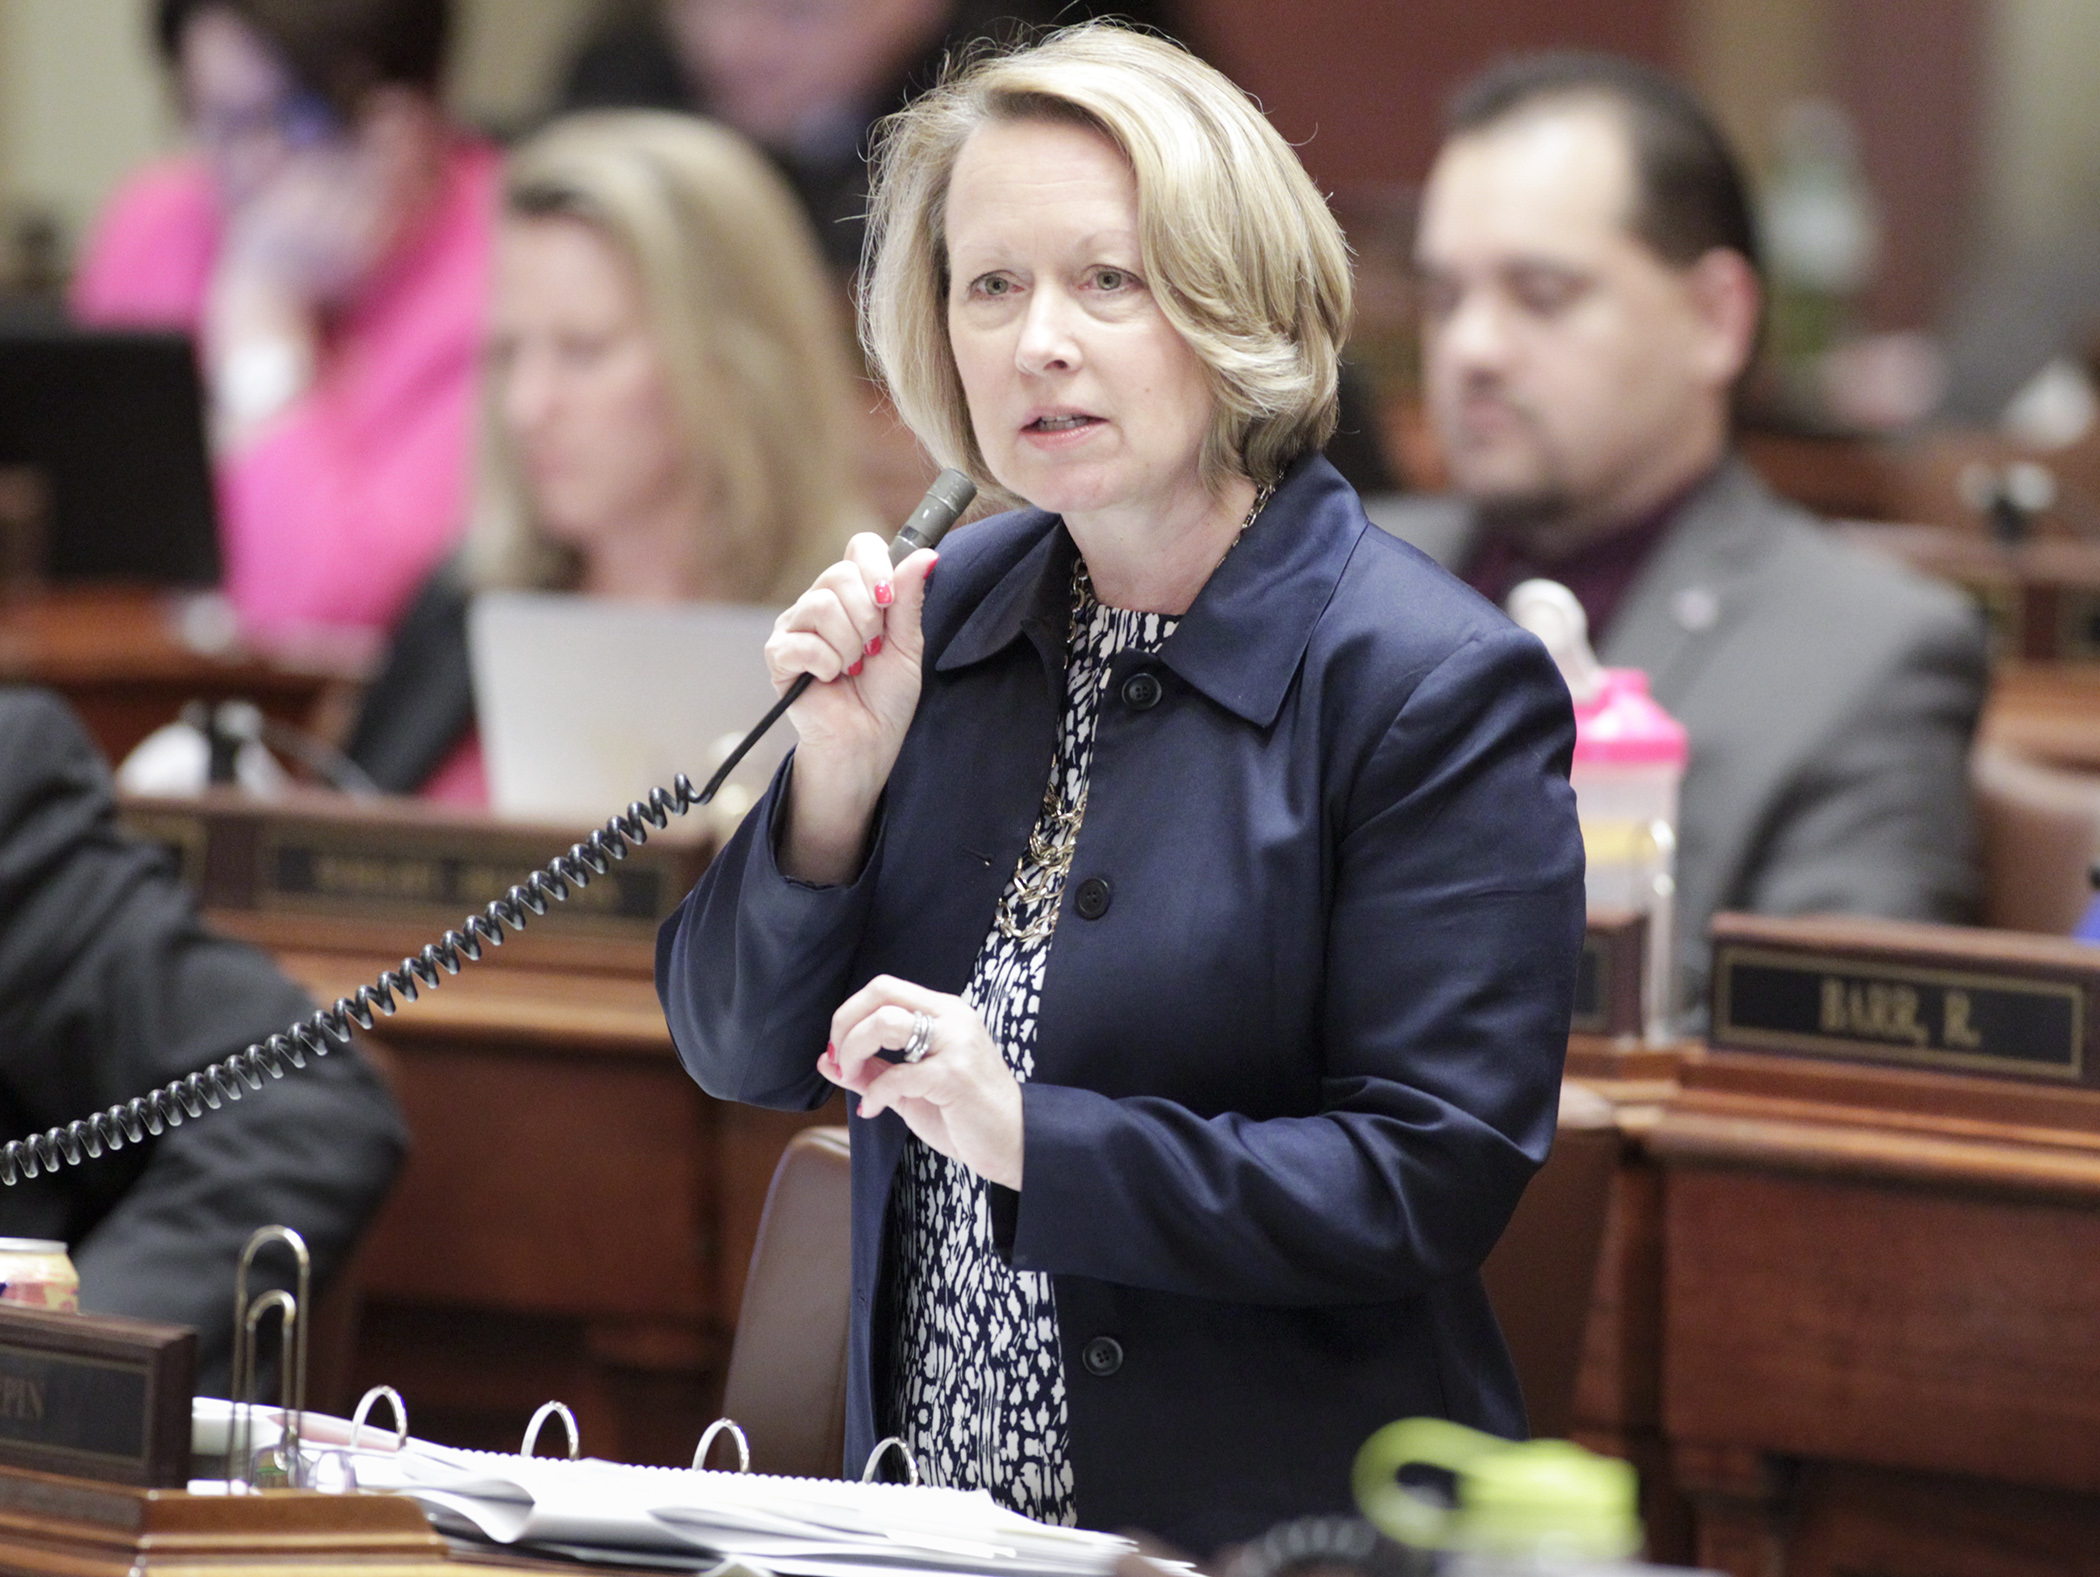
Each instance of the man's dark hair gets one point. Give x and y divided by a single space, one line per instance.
337 49
1690 195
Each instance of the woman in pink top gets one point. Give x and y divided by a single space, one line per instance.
329 245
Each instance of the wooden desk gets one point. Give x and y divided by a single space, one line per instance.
574 1220
1618 1394
1865 1301
2047 711
1881 1334
2042 597
65 1527
575 1217
117 656
1935 477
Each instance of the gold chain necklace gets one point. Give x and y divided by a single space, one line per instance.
1055 837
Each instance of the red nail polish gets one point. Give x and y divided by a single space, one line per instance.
830 1050
885 594
928 581
875 646
855 669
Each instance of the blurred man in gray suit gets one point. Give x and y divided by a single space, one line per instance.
109 986
1591 298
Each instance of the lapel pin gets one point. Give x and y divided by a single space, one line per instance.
1696 609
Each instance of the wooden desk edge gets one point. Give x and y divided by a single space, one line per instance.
51 1526
1877 1147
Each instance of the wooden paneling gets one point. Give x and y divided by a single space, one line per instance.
1910 75
548 1183
1618 1391
1839 478
1881 1319
1860 1520
1358 86
1887 1326
575 1218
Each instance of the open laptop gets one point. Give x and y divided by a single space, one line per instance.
586 703
112 423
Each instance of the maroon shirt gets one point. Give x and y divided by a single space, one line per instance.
1599 574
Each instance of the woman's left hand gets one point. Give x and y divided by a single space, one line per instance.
961 1098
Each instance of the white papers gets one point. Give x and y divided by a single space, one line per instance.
809 1527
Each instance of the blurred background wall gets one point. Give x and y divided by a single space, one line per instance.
1977 128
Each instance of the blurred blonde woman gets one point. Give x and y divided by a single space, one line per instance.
666 411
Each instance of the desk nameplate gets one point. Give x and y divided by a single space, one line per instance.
1909 996
396 864
1609 974
342 870
96 1397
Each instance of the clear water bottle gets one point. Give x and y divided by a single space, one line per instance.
1629 763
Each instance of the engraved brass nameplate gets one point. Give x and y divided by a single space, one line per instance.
351 873
355 861
1996 1003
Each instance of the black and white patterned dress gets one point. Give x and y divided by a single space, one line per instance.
979 1389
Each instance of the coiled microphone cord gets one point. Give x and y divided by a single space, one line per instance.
147 1116
328 1029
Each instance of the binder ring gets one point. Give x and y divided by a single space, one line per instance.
551 1410
888 1443
736 1433
392 1398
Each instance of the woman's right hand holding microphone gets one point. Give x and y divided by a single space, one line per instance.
857 632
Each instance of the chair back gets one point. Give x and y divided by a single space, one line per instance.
787 1368
1542 1274
2039 826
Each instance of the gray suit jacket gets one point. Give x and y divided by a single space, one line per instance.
1830 695
109 985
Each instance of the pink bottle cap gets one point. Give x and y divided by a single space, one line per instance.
1621 726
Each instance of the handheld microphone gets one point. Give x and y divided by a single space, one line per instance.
942 506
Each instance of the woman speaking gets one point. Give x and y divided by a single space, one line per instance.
1184 881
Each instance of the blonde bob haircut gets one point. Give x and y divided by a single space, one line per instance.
1236 243
747 323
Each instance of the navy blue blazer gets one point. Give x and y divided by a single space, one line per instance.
1291 1083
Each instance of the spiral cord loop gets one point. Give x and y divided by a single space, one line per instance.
328 1029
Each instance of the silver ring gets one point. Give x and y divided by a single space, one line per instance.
921 1040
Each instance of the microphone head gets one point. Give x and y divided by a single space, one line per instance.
942 506
954 490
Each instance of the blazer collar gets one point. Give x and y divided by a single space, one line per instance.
1033 597
1241 639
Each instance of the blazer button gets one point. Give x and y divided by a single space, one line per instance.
1141 692
1092 898
1103 1356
